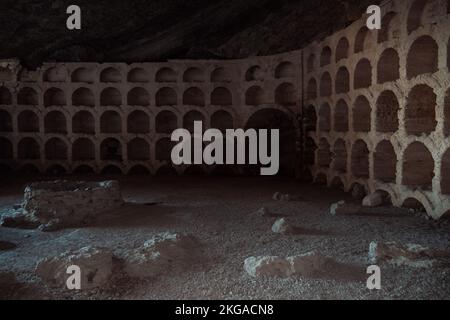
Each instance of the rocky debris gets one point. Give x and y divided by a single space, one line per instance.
411 255
282 226
269 266
342 208
373 200
18 219
306 265
55 205
6 245
163 253
358 192
95 264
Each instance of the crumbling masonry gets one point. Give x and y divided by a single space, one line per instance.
375 108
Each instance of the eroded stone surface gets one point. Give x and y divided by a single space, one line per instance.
162 253
411 255
282 226
58 204
306 265
270 266
95 264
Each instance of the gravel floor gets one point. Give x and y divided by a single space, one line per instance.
222 214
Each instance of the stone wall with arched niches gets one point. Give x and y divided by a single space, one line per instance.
381 105
118 118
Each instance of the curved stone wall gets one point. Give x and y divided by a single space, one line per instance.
381 102
376 107
118 118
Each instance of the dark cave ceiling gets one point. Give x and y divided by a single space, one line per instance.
154 30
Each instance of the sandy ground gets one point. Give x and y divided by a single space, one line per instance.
221 214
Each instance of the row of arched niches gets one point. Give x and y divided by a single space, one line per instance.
377 105
64 117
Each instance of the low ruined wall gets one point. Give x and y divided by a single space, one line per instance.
57 204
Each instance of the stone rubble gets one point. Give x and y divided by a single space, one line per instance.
305 265
55 205
282 226
95 263
162 253
410 255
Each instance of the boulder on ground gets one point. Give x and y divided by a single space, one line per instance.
282 226
411 255
95 264
269 266
373 200
344 208
305 265
163 253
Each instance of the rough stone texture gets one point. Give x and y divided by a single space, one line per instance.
268 267
17 219
344 208
163 253
58 204
95 264
383 96
141 31
282 226
411 255
306 265
373 200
